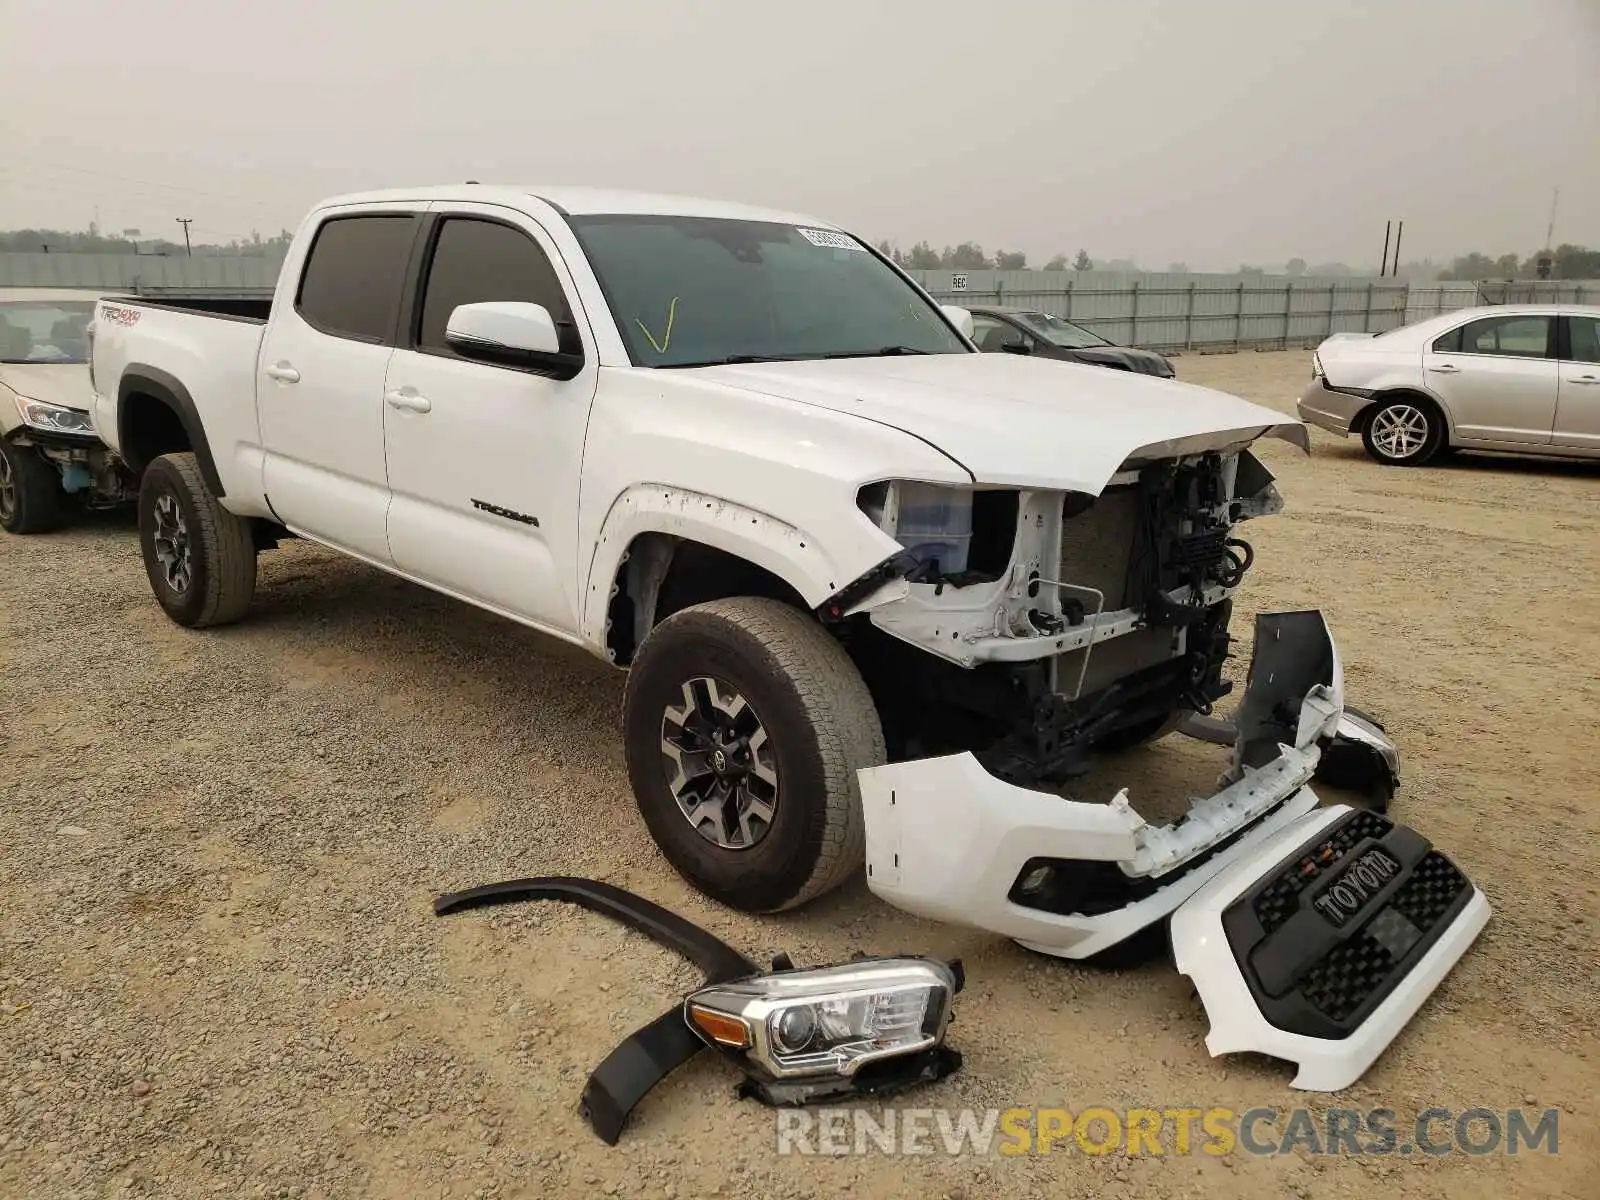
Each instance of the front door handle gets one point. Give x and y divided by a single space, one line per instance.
1445 368
408 400
1591 379
283 373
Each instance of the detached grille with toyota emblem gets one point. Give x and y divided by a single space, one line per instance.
1325 937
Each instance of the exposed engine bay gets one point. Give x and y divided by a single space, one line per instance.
1033 627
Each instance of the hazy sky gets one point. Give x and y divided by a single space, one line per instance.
1211 131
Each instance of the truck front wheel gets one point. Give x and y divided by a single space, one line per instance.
201 558
31 499
745 723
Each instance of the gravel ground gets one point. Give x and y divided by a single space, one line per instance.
220 974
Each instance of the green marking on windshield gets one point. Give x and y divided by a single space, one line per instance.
666 338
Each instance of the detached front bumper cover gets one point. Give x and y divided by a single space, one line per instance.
650 1054
1073 878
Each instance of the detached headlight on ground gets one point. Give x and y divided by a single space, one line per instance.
54 418
871 1025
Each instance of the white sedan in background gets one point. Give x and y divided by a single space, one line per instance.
1523 378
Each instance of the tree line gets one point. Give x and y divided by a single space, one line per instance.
1568 262
969 256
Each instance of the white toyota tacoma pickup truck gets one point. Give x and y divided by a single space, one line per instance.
881 597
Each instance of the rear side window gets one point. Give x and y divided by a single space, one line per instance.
476 261
1511 336
354 275
1450 343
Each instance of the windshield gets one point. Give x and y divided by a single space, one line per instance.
1061 333
692 291
45 331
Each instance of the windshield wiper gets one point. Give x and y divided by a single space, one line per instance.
881 352
732 360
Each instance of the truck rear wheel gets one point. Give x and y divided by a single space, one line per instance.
31 499
201 559
745 723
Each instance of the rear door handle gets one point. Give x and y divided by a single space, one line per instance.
408 400
1592 379
283 373
1445 368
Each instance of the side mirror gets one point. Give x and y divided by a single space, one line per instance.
512 333
960 317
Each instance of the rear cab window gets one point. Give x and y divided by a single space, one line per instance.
354 275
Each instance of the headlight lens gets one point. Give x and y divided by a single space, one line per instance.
830 1021
54 418
933 522
1316 365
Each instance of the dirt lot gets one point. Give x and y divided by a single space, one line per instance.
220 975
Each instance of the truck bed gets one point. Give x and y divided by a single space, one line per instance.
232 306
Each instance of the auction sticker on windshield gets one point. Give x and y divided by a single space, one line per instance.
829 239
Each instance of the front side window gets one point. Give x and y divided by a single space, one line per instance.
354 274
694 291
1061 332
1584 336
45 331
476 261
1509 336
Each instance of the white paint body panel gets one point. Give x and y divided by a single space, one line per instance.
504 437
1201 949
1011 419
216 361
946 840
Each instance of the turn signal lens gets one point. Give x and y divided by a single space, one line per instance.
718 1027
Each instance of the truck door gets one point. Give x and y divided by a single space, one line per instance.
484 460
319 383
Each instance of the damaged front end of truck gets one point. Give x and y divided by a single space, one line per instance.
1022 633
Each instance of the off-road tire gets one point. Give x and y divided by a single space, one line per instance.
38 505
1434 442
222 551
822 725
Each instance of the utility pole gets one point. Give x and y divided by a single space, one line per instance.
186 222
1398 230
1545 259
1383 263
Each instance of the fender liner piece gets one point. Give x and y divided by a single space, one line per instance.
650 1054
152 381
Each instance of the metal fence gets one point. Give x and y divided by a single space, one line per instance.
1162 312
138 271
1232 312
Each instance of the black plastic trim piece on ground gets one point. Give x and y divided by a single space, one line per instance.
650 1054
